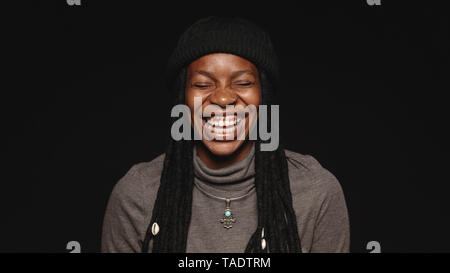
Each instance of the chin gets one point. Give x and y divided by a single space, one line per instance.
223 148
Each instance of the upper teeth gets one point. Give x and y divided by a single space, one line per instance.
223 121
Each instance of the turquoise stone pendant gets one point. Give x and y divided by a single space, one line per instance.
228 219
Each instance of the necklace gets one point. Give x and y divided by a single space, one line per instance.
228 218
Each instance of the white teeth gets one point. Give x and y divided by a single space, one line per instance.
223 121
222 127
225 131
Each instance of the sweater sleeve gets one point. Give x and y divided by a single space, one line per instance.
320 206
123 221
332 229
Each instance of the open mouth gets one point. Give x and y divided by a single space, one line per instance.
223 127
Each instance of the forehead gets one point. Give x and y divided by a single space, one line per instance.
221 62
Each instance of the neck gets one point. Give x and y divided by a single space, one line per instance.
215 162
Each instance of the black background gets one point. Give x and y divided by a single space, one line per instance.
362 91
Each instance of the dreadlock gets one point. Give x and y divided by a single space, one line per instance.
173 205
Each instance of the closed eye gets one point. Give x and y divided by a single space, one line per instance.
244 83
202 85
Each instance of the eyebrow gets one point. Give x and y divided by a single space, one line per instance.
233 75
240 72
205 73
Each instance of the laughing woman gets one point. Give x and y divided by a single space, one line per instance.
222 195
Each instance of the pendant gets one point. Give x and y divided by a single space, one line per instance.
228 219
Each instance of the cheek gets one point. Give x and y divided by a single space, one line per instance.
190 98
252 97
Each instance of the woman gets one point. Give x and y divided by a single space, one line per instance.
217 194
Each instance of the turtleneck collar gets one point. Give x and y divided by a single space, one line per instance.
236 178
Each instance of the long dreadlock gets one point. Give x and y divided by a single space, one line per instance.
173 205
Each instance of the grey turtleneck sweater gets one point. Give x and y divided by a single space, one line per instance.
318 201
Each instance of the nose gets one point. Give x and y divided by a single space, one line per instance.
223 97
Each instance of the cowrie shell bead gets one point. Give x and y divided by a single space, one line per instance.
155 228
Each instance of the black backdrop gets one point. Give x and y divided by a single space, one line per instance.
362 91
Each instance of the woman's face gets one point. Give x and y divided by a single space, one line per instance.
223 80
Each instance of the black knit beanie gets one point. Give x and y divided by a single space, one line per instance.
224 35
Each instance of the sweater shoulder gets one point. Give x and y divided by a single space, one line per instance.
150 170
307 175
140 178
